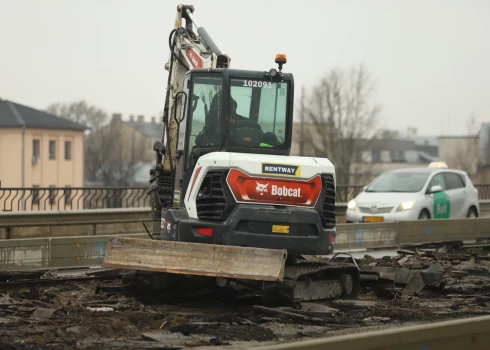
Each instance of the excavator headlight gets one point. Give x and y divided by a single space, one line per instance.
272 72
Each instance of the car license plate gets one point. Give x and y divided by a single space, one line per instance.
373 219
280 229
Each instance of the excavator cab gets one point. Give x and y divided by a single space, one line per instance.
236 110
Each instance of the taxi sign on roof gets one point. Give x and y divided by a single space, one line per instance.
437 165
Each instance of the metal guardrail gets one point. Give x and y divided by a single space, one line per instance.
89 250
79 198
469 334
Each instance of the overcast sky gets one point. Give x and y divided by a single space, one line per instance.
430 58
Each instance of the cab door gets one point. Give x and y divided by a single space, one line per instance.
457 194
440 201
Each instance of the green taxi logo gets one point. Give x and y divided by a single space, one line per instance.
442 206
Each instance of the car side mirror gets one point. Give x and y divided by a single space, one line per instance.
435 189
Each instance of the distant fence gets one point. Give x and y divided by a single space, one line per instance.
78 198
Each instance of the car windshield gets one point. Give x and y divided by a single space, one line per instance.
398 182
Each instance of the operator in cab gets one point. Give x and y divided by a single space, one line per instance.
243 131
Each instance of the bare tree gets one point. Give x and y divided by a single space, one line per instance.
80 112
114 153
343 117
466 156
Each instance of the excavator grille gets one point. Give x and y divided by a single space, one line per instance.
211 201
328 209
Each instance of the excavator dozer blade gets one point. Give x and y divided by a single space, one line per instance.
196 259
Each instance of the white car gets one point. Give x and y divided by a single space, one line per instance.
413 194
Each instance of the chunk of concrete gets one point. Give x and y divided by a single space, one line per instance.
414 285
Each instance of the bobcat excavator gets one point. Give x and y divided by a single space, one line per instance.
228 200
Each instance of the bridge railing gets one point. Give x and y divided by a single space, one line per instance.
79 198
72 198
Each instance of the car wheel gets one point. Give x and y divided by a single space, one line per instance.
472 213
424 215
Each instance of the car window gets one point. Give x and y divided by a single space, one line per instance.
438 180
453 181
398 182
463 179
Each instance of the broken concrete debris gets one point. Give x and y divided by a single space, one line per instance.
420 284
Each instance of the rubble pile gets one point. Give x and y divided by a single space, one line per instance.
442 267
424 283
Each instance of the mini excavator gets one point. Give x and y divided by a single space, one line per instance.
228 201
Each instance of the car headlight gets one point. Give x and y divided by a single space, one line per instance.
408 205
351 205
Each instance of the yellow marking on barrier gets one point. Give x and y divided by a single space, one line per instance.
21 248
78 258
21 261
78 245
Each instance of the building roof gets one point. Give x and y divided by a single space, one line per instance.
13 115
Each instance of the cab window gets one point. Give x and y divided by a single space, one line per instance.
438 180
205 114
258 113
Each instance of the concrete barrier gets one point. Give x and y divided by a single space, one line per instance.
86 251
368 235
94 222
469 333
426 231
54 253
74 223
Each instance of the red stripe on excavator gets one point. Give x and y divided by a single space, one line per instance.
248 189
196 173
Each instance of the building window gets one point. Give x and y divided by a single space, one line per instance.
67 195
375 156
67 150
52 149
35 195
52 194
35 148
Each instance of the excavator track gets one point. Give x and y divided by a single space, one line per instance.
314 280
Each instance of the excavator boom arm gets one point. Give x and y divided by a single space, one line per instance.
187 50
